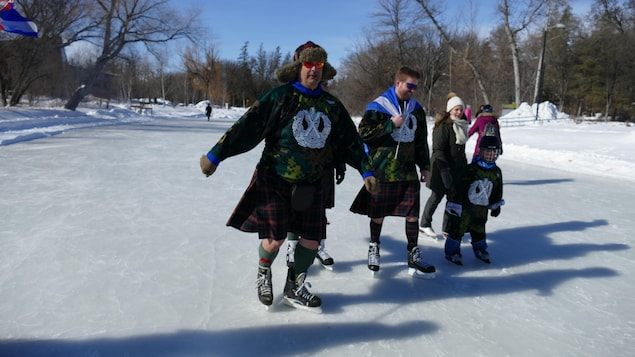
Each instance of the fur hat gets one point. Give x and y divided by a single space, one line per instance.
453 102
307 52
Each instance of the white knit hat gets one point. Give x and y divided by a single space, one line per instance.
453 102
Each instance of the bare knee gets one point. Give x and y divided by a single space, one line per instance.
272 245
309 244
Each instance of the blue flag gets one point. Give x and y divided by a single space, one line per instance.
12 21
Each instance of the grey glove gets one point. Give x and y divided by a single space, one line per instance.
371 184
207 167
454 209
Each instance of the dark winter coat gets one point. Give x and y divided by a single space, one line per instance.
446 153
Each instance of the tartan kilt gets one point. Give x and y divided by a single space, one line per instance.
328 185
265 208
400 199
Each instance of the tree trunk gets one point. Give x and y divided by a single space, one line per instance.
76 98
85 88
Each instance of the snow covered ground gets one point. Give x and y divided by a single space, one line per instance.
112 243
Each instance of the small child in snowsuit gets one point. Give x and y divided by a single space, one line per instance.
479 189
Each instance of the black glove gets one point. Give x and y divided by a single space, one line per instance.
446 177
495 212
340 171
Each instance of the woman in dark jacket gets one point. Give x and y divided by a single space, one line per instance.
448 158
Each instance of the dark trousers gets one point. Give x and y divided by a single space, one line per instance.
431 206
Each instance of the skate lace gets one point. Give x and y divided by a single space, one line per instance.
373 255
303 292
416 258
264 283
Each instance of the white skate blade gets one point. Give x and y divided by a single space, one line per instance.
435 238
421 275
295 304
327 267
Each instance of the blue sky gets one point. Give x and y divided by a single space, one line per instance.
337 25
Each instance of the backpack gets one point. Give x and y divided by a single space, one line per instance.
491 130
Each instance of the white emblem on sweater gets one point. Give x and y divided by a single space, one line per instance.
406 133
479 192
311 128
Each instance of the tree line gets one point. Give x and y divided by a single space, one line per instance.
531 51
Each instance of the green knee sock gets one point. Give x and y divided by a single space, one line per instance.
292 236
265 258
303 259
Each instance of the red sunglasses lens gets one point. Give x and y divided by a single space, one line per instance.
311 64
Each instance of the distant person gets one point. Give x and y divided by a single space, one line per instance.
304 128
208 110
468 113
448 158
395 131
478 189
486 124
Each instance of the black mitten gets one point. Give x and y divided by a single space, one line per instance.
340 171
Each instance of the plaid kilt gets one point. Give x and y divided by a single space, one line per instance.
265 208
328 185
400 198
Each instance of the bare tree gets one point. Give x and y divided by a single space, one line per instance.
203 68
35 60
525 12
113 25
463 54
394 20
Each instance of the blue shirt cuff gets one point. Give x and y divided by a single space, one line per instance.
368 174
213 159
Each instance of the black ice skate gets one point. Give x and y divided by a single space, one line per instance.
264 286
455 258
373 257
482 255
296 294
417 267
291 253
324 258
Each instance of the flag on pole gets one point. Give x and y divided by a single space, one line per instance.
12 21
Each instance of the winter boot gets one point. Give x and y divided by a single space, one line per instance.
417 267
296 293
453 251
291 252
373 256
264 286
324 257
428 232
480 251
